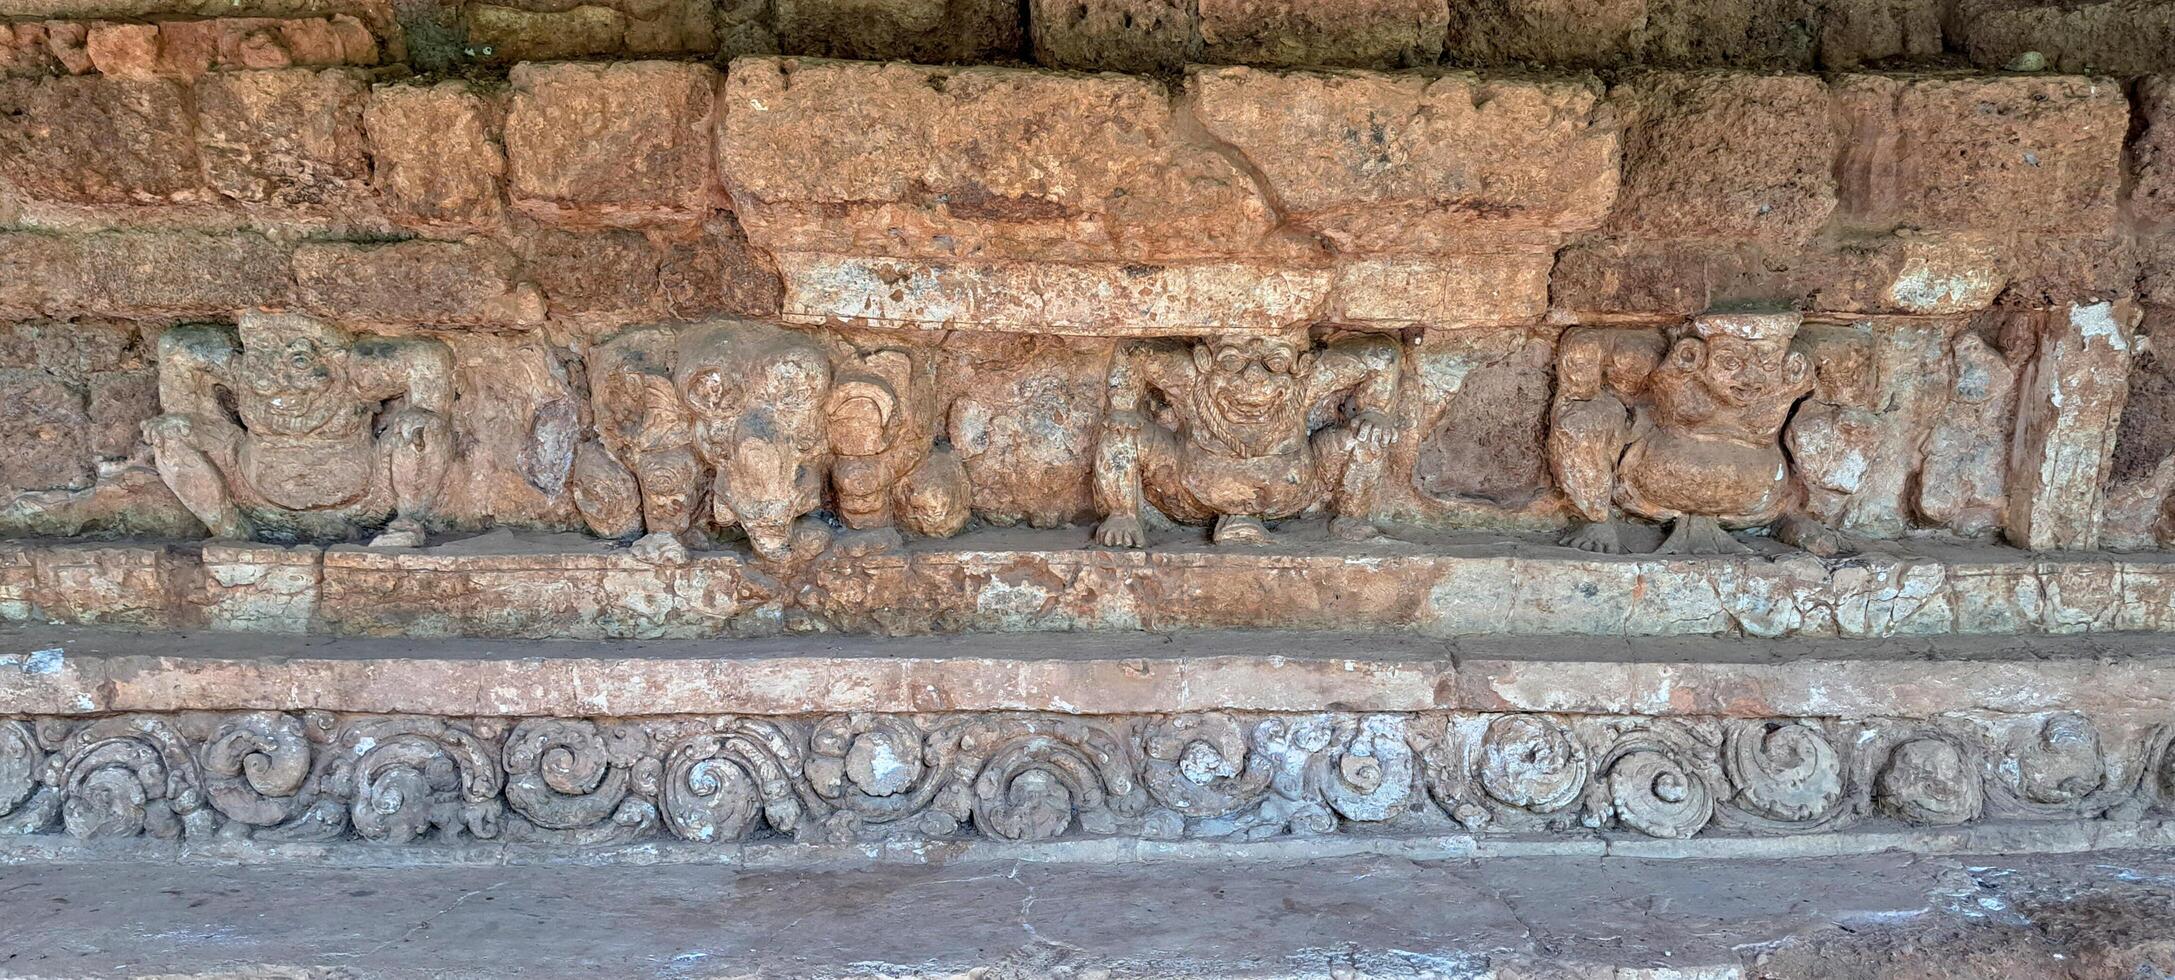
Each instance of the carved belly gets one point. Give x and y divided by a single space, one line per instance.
310 476
1263 486
1664 475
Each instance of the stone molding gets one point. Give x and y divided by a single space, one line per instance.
314 776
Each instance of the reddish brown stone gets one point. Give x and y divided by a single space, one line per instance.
45 433
507 35
293 136
433 151
1725 156
124 50
97 140
182 273
2124 37
475 281
927 31
1112 35
599 271
39 272
2010 153
1855 32
2153 154
1731 33
605 140
714 271
1550 32
1348 33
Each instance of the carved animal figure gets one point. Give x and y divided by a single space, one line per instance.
1223 431
329 436
1691 436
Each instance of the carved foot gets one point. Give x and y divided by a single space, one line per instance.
1120 532
1813 536
403 532
1354 530
1604 537
868 541
1239 529
1691 535
660 548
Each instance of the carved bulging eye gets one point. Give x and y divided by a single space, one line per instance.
1230 361
1279 363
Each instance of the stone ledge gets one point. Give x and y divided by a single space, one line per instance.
79 671
547 586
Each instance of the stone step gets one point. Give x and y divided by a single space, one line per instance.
2039 918
1084 746
549 586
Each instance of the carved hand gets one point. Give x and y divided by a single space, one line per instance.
166 428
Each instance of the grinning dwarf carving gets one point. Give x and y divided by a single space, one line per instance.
1241 431
887 469
328 436
1690 435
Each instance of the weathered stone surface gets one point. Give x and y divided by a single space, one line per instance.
599 271
2153 152
1551 32
2022 154
982 163
1472 289
291 136
509 35
1023 424
2070 402
1023 297
712 270
186 49
1400 163
1925 274
97 140
926 31
2119 36
180 273
1112 35
609 141
1732 33
475 281
1479 417
1350 33
1729 156
433 150
1857 32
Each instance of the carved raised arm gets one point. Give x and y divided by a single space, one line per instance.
193 363
1366 366
419 368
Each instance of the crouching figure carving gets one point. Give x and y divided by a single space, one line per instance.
329 436
1688 433
763 413
1230 432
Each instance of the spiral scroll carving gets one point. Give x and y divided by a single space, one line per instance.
718 784
406 778
1787 772
575 776
255 767
120 777
1657 784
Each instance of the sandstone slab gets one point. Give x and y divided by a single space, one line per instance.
291 136
476 281
606 141
1348 33
433 150
926 31
96 140
1729 156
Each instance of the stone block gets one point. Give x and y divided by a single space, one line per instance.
605 141
1474 289
1581 33
1856 32
182 273
926 31
596 271
1016 297
989 163
1730 156
45 433
1409 163
508 35
96 140
471 282
2070 405
291 136
434 151
2014 153
2121 37
1731 33
261 588
711 270
1339 33
1143 36
2152 195
39 272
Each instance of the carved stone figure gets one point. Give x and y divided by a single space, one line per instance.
1232 431
329 435
639 475
887 470
1690 435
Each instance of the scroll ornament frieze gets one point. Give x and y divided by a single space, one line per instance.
316 777
794 442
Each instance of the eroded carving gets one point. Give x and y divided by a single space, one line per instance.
1689 433
1239 431
1931 777
329 435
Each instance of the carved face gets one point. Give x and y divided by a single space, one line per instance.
1250 381
765 485
292 385
1743 372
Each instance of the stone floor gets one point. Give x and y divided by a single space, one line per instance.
1889 915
